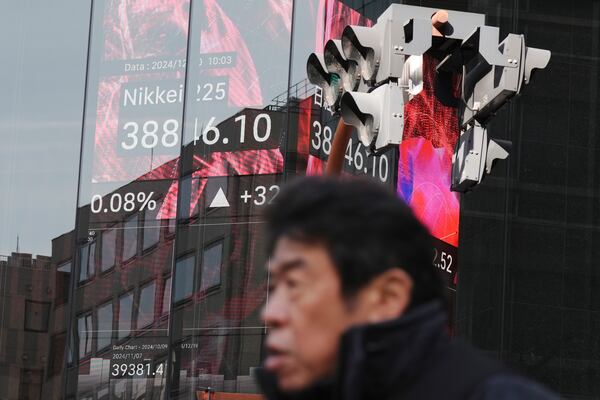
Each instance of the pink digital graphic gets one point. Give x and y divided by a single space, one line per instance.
137 30
425 161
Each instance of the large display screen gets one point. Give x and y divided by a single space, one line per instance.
183 148
138 96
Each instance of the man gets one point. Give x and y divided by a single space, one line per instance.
356 308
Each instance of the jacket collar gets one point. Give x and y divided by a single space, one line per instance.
379 359
376 360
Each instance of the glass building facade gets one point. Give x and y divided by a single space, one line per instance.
141 140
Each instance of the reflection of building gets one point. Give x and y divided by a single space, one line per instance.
218 315
31 298
116 300
122 293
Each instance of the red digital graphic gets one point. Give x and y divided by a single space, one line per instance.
425 163
139 104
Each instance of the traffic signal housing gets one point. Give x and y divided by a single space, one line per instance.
475 157
492 74
319 75
378 116
371 73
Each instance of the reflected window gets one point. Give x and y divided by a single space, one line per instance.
91 264
212 258
103 393
125 315
119 388
84 332
166 297
185 197
139 388
105 325
30 385
57 353
171 223
108 254
71 349
184 278
87 254
146 305
130 234
151 230
36 316
61 290
83 256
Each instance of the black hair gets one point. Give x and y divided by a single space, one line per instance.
365 228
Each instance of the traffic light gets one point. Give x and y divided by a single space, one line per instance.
332 72
372 72
338 64
319 75
390 61
378 116
492 74
475 156
381 50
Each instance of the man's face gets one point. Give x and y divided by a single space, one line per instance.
306 314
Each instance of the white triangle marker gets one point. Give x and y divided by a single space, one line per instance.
220 200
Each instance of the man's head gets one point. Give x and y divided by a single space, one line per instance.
343 253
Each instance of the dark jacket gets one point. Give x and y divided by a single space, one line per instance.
413 358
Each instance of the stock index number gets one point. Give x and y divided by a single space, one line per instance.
136 370
357 159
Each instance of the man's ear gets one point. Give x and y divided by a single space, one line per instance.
387 296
